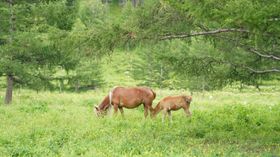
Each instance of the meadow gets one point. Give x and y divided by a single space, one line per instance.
56 47
224 123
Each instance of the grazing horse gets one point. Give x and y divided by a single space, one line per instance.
173 103
120 97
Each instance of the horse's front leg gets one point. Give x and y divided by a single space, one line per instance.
170 116
116 109
187 111
164 113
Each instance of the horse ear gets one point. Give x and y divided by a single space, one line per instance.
188 98
96 107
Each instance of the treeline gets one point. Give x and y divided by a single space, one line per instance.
202 45
49 41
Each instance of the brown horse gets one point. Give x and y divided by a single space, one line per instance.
120 97
173 103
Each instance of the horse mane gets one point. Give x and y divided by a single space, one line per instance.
104 104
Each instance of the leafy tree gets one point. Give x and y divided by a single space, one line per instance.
239 25
29 54
148 68
83 77
229 40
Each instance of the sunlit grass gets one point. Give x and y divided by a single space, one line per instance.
63 124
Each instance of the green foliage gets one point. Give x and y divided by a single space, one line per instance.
47 36
149 69
54 12
62 40
30 55
236 56
82 77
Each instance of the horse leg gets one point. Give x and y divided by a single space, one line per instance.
148 106
187 111
151 109
121 110
146 110
170 116
115 109
164 115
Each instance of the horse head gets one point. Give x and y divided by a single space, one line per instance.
100 112
188 99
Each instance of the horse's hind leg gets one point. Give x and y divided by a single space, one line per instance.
121 110
146 107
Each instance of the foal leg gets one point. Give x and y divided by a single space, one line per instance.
164 113
170 116
187 111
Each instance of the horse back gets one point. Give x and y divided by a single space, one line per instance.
132 95
173 102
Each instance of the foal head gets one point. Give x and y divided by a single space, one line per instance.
188 99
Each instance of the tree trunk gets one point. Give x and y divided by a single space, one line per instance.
61 85
134 3
10 79
122 2
161 76
141 2
9 90
77 86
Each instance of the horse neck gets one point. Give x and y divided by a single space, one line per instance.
104 103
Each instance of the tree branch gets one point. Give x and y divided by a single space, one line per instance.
272 70
250 49
264 55
262 71
274 19
179 36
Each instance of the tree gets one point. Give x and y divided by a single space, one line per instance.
254 30
28 54
244 43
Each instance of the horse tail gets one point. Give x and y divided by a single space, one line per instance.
154 93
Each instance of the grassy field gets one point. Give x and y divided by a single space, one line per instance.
63 124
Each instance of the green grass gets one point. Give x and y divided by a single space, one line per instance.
63 124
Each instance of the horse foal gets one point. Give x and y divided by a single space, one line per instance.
173 103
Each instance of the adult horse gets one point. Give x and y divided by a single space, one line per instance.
132 97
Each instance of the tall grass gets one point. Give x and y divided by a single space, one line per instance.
63 124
